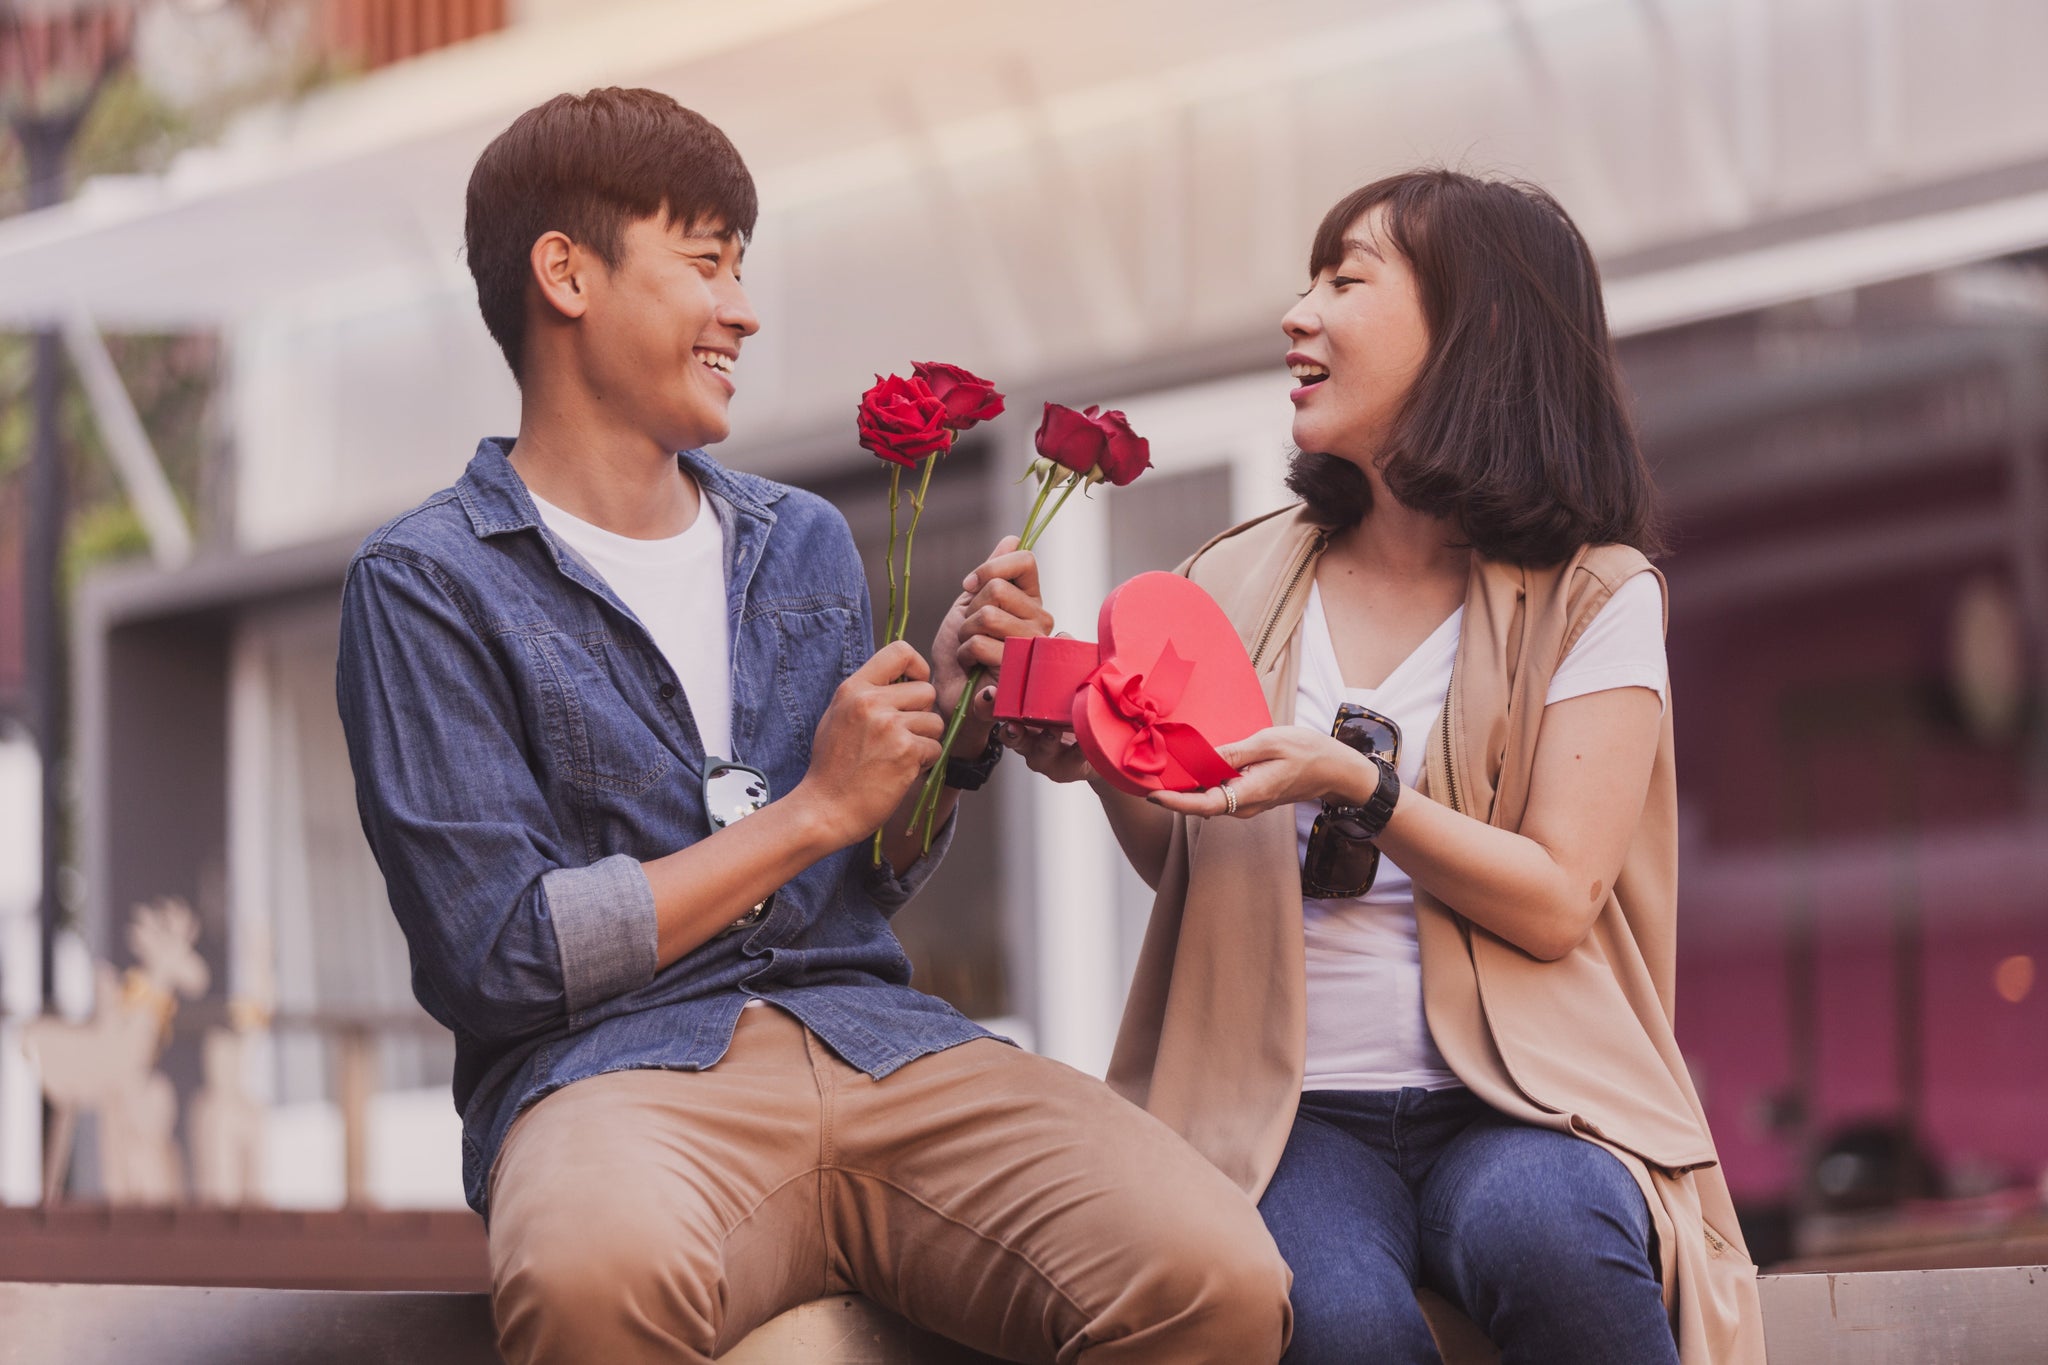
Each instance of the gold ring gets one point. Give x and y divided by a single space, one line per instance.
1229 800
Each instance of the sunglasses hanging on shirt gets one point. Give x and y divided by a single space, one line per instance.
733 791
1341 860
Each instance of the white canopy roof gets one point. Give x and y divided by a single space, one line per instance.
854 100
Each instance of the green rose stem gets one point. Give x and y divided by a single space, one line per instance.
898 629
899 601
1032 533
926 811
1045 483
895 487
895 484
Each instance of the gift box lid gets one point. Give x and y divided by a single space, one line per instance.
1172 682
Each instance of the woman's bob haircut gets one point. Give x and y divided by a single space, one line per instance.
1515 428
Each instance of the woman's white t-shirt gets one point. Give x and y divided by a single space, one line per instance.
676 586
1366 1029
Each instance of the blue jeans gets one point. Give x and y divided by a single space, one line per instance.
1542 1239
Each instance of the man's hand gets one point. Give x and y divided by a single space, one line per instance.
874 741
998 601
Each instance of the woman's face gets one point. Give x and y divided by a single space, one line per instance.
1359 340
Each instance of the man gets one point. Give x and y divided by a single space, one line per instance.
696 1085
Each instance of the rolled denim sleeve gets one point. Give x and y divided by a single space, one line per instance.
509 933
891 890
605 928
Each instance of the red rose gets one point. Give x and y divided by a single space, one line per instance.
968 397
1126 454
902 420
1094 442
1072 439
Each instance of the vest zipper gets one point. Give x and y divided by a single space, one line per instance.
1308 557
1450 773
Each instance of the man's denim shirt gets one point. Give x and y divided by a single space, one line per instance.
520 746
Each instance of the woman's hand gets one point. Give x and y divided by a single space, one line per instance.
1142 831
1051 753
1280 766
999 600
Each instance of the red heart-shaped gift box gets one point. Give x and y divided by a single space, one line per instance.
1167 683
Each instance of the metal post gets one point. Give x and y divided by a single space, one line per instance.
1794 1116
2025 368
44 633
45 142
1908 954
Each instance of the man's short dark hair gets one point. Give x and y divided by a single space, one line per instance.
1516 428
586 166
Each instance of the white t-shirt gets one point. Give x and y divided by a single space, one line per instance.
1366 1029
676 586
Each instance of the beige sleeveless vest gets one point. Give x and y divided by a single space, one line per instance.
1213 1033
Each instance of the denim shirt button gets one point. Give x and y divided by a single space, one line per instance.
668 691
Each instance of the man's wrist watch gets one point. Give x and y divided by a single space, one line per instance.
1366 821
968 774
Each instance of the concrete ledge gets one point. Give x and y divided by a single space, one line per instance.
105 1324
85 1244
170 1325
1996 1316
1985 1316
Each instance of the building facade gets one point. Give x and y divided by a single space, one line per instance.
1818 225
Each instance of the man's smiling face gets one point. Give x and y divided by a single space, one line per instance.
663 329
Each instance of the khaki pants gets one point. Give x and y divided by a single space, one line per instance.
995 1197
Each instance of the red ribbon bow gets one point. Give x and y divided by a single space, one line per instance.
1146 700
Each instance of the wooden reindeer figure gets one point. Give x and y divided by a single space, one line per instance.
224 1120
106 1066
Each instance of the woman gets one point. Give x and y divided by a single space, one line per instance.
1408 977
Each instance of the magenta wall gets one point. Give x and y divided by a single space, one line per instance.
1822 763
1985 1060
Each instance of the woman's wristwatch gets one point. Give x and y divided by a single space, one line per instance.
968 774
1365 821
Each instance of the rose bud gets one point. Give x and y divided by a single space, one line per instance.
1126 454
968 397
1071 439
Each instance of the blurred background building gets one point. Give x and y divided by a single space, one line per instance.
1824 229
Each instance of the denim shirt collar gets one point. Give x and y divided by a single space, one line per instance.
496 499
498 503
